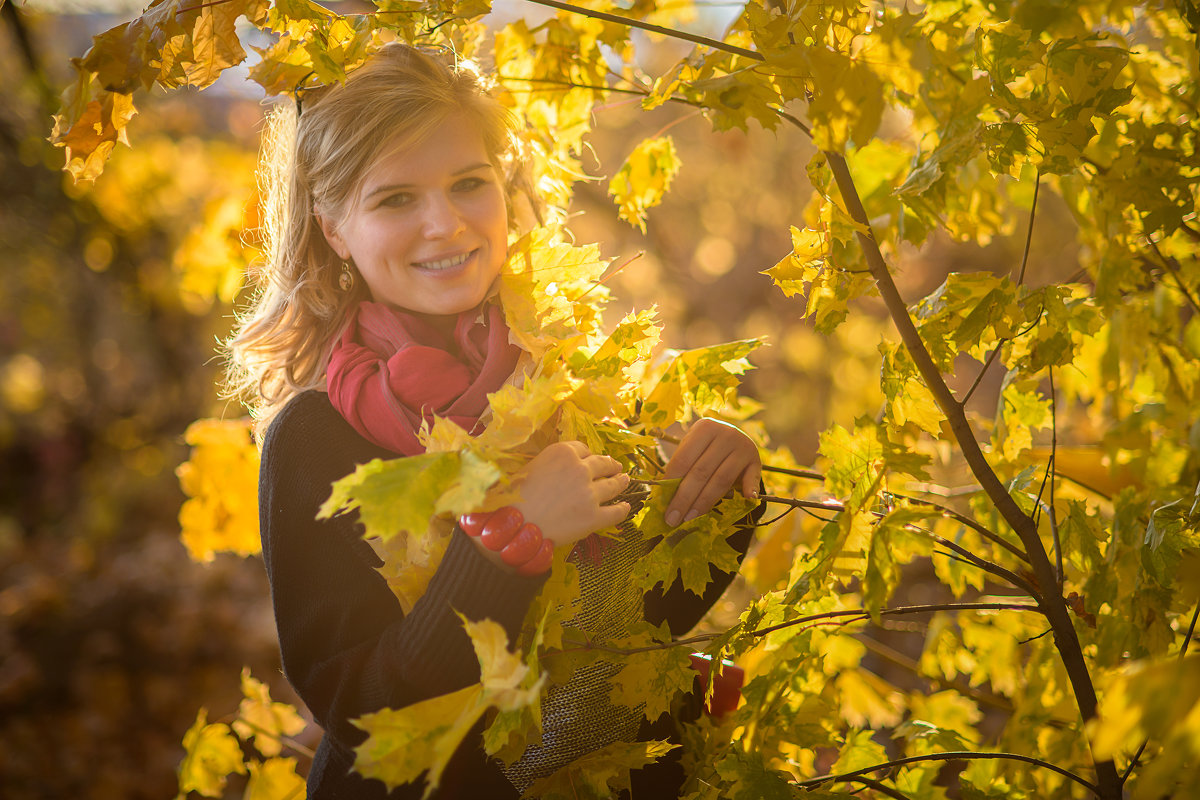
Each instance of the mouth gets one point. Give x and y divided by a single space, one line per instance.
445 263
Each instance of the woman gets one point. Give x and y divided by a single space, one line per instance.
393 200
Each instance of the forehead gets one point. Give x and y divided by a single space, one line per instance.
443 149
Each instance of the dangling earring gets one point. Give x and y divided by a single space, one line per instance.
346 279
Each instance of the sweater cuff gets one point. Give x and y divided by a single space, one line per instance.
473 585
440 654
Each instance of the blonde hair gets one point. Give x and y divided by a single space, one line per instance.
312 161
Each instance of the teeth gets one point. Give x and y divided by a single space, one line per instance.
445 263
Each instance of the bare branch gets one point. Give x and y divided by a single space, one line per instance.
646 26
961 755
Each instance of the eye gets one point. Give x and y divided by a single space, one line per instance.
397 200
470 184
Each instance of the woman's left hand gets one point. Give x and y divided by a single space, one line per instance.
712 457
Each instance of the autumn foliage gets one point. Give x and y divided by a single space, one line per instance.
1058 521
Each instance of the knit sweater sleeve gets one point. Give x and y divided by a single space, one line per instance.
347 647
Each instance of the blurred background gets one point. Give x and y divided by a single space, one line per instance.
114 296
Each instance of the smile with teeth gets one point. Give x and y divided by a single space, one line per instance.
444 263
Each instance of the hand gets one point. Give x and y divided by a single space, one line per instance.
711 458
564 489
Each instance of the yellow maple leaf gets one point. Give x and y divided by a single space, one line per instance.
644 179
404 744
220 480
275 779
211 754
264 720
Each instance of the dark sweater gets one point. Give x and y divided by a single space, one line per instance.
347 647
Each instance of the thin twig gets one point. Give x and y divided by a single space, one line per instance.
646 26
797 473
991 357
967 555
963 755
1029 233
963 519
881 787
842 617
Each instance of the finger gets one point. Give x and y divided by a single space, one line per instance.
722 479
752 478
579 448
690 449
692 484
608 488
613 515
602 466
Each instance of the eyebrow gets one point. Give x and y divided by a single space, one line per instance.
391 187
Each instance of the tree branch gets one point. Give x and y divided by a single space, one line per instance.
843 617
963 755
987 566
881 787
862 614
1053 605
646 26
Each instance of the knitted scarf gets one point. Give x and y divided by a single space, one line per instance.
393 370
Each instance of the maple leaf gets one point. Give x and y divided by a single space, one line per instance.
654 677
395 495
599 774
644 178
404 744
221 512
263 720
687 551
211 754
274 779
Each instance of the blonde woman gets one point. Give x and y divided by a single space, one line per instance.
392 204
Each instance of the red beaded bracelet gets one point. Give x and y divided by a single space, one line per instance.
519 543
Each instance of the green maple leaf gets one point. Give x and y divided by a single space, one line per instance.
395 495
653 677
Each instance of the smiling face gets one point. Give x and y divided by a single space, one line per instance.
428 227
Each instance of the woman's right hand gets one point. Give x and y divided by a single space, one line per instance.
564 490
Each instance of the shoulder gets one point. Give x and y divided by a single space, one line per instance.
309 436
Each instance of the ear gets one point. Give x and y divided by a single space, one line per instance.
332 235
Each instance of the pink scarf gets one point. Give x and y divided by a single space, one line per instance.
392 370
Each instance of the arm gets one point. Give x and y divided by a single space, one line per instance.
347 648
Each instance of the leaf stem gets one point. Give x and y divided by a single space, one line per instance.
646 26
964 755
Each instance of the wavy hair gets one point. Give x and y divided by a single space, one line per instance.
312 162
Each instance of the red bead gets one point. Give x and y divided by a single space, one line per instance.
501 528
472 524
539 563
524 546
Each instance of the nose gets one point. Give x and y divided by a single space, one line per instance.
442 218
